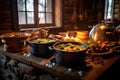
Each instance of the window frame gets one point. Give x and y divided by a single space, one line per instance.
36 24
106 9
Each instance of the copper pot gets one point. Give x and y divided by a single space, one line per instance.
14 41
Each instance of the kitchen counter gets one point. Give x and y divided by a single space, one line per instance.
49 65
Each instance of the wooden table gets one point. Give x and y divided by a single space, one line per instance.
60 71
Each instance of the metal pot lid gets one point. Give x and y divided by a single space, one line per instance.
101 31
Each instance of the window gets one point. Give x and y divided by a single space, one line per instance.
35 13
109 9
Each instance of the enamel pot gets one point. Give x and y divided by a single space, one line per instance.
70 59
40 49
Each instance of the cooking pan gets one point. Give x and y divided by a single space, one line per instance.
70 59
40 49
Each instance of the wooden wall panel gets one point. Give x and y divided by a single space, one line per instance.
116 10
92 12
5 16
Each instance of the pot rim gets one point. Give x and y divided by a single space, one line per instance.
30 41
84 45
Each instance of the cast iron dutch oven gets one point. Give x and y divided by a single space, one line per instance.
70 58
41 49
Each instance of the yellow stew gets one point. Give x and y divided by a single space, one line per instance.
43 40
70 47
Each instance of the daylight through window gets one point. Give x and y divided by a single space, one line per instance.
35 12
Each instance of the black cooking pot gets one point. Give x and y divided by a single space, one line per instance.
70 59
40 49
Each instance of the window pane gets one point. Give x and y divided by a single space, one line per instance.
49 17
42 17
109 9
30 6
21 5
22 18
41 5
109 14
27 14
48 5
30 17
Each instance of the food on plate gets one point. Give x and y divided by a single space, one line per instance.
99 47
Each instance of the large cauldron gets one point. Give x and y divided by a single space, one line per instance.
40 49
70 59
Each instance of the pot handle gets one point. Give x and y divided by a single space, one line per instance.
2 39
26 43
51 48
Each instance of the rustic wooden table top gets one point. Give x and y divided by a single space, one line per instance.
65 73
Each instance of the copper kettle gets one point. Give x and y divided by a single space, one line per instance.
102 32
